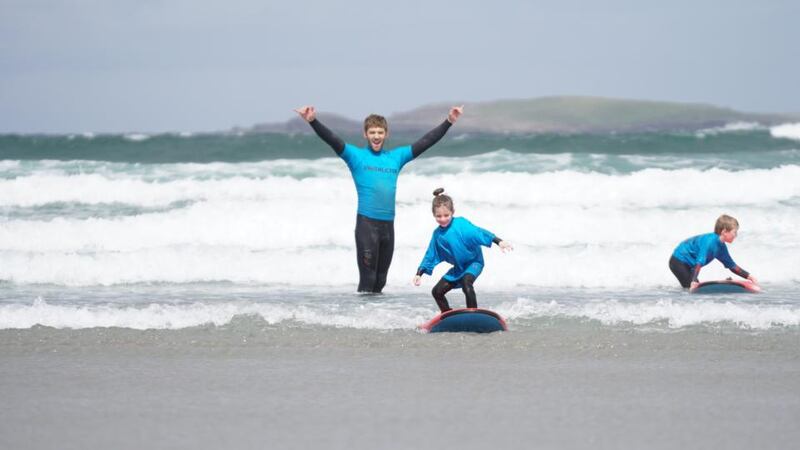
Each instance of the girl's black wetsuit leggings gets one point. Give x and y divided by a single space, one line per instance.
374 249
444 286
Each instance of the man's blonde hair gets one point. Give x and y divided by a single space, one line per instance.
375 121
725 223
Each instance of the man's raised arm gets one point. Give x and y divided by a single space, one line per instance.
433 136
309 114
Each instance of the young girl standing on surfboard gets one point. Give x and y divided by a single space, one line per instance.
458 242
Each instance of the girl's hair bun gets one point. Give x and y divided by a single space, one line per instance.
438 191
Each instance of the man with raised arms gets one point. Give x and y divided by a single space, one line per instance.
375 171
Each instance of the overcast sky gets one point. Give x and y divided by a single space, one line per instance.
196 65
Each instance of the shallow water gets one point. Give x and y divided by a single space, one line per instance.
553 383
197 291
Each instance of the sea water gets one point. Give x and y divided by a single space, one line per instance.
202 287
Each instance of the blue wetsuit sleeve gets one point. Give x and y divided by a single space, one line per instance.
430 138
430 260
485 237
479 236
336 143
403 155
725 258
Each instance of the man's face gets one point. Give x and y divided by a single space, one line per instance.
376 136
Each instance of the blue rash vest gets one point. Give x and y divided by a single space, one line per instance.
702 249
375 176
460 245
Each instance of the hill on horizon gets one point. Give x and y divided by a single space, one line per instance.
563 114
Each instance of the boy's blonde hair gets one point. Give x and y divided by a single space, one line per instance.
375 121
441 199
725 223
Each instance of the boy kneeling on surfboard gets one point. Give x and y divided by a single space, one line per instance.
697 251
456 241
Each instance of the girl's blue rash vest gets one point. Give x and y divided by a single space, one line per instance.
460 245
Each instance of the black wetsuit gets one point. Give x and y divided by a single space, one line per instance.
374 248
444 286
375 237
682 271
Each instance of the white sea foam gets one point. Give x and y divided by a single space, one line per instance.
255 243
732 127
94 189
136 137
786 131
209 223
386 316
178 316
676 314
498 162
644 188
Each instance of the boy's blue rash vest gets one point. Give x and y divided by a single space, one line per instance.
460 245
375 176
702 249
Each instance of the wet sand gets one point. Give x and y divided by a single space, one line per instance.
344 389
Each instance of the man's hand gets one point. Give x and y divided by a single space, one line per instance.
417 280
455 113
307 112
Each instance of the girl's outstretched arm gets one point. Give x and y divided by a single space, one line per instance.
430 260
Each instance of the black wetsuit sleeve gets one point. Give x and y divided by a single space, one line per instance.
741 272
430 138
336 143
497 240
420 272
